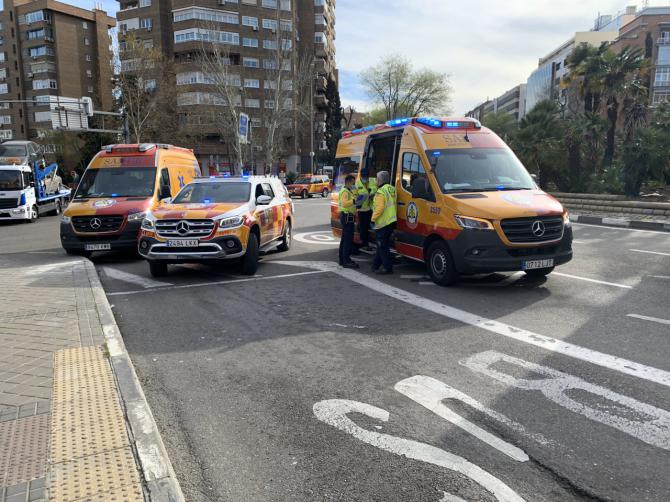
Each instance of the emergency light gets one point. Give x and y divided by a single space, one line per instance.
398 122
430 122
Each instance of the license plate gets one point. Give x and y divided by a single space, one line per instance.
106 246
183 243
535 264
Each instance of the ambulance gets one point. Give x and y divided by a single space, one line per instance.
466 204
120 185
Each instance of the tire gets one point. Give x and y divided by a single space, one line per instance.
249 263
58 208
286 239
324 193
34 214
74 252
440 264
303 194
158 268
539 272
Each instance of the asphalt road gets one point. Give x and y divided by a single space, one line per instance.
309 382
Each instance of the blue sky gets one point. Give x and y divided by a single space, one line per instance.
485 46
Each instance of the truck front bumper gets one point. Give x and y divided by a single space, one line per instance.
124 240
16 213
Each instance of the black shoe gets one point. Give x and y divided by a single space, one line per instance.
351 264
383 272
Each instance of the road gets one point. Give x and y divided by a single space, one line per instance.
310 382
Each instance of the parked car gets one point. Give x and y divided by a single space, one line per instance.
310 185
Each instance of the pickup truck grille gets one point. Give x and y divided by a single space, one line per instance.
177 229
533 229
97 224
9 203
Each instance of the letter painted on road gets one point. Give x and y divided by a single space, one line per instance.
647 423
334 412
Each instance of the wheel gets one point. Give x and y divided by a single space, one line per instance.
249 263
75 252
286 239
34 214
539 272
57 210
303 194
158 268
440 264
324 193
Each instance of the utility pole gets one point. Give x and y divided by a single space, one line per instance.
311 117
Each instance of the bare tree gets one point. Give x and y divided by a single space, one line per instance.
146 87
403 91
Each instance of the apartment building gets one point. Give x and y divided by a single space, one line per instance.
512 102
50 51
650 32
251 31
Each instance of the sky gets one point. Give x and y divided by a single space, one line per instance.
486 47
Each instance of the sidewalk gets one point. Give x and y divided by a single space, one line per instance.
74 424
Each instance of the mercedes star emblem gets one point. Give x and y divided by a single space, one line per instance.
183 228
538 228
95 223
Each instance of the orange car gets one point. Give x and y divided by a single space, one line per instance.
218 218
310 185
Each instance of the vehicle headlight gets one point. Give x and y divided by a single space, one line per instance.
136 216
235 221
566 219
470 223
66 219
147 224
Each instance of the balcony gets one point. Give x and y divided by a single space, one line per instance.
320 100
321 83
320 50
663 41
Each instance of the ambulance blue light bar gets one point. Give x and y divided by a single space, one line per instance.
398 122
430 122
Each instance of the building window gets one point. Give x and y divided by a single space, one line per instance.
145 3
250 2
270 84
660 96
270 4
32 17
223 37
269 64
252 103
5 119
256 122
87 41
286 65
288 104
6 134
3 57
44 84
89 73
270 24
663 55
285 25
250 62
42 116
252 83
286 45
285 5
250 21
150 85
319 3
287 85
250 42
35 34
662 76
204 14
319 19
40 50
3 73
320 37
84 25
269 44
90 89
269 103
146 22
148 44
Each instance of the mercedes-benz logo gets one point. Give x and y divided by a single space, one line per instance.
96 223
538 228
183 228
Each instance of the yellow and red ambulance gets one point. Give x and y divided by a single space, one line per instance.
216 219
120 185
466 204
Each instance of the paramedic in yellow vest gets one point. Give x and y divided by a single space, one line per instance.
365 192
347 205
384 218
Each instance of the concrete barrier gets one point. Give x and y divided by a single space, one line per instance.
612 204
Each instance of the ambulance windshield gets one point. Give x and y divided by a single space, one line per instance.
121 182
479 170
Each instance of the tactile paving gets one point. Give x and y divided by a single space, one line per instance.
106 476
28 451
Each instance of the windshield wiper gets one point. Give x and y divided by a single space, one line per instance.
502 189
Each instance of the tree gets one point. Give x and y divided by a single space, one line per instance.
403 91
145 83
333 131
503 124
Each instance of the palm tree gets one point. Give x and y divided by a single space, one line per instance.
586 70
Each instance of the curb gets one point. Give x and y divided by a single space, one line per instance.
159 476
658 226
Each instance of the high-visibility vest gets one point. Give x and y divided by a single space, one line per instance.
364 195
351 209
390 212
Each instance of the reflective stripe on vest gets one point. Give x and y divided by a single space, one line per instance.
390 213
351 209
368 194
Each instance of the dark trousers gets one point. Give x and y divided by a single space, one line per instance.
347 240
364 220
383 254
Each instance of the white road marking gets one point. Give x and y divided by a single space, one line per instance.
334 412
217 283
140 280
596 281
621 229
421 276
650 252
608 361
427 283
510 279
575 241
640 420
661 276
50 267
448 497
647 318
430 393
323 238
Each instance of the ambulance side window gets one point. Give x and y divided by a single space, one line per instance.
414 178
165 190
344 166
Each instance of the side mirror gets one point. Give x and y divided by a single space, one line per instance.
263 200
